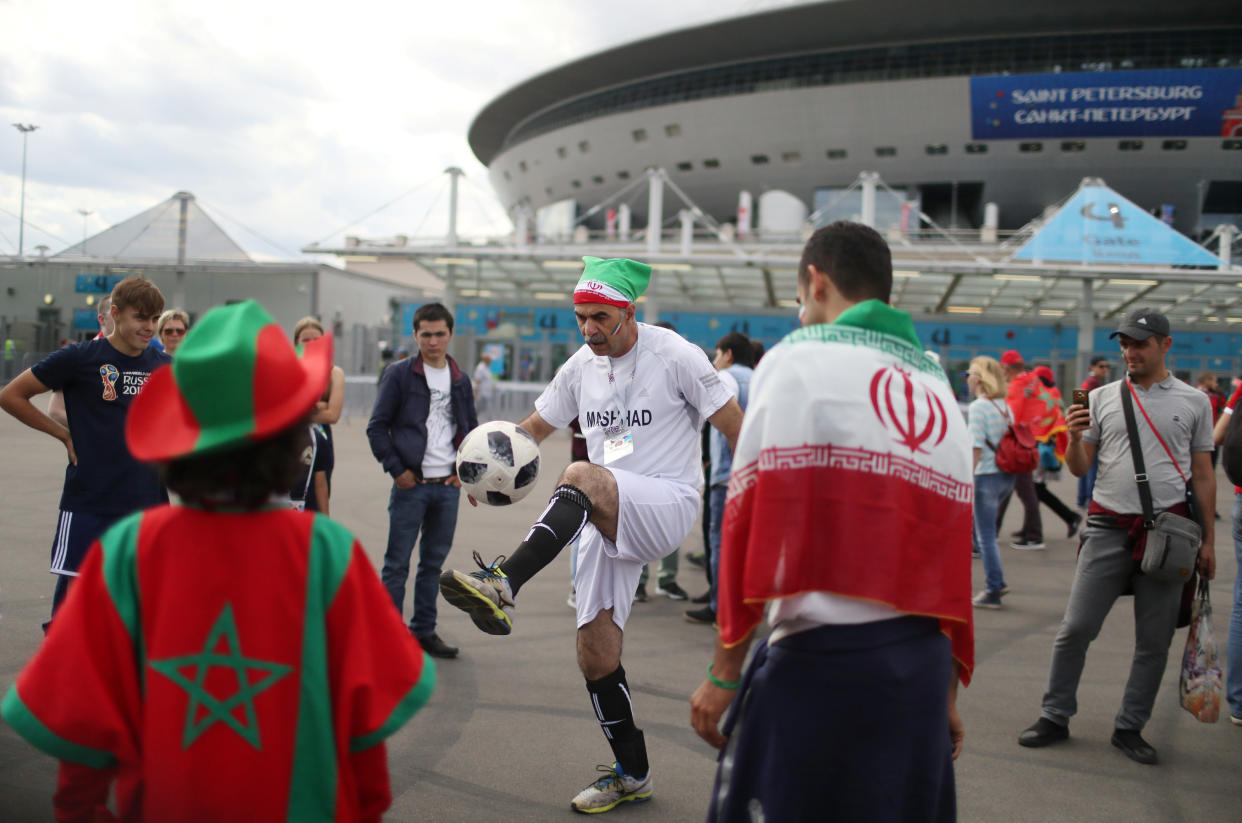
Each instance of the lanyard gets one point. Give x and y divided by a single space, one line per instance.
1138 403
623 402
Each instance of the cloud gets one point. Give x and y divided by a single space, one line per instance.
293 122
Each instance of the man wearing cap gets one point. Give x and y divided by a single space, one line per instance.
227 658
640 393
422 412
1097 373
1175 429
1031 535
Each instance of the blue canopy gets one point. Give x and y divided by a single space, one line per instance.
1099 226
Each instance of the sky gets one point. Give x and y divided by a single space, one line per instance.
290 122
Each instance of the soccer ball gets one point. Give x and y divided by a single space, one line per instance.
498 463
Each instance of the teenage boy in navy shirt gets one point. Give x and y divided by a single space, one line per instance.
98 378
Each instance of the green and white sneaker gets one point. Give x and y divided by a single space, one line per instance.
614 788
484 595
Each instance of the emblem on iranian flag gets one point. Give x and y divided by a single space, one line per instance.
909 409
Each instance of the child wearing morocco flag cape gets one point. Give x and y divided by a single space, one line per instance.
228 658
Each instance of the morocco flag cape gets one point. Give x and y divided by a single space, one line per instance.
1039 406
225 666
852 476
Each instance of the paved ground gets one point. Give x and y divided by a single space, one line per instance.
509 735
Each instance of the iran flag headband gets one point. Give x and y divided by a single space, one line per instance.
616 282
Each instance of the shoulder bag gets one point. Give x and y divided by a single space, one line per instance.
1172 540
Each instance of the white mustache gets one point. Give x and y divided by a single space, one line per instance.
597 339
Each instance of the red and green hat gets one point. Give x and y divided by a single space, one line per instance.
616 282
236 378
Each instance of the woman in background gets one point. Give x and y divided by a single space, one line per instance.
326 412
171 329
988 417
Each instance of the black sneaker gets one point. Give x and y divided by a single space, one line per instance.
987 599
1072 527
640 595
1028 545
705 597
1134 746
704 616
1043 733
434 646
698 559
671 590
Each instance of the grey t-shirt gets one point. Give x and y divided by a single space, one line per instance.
1182 415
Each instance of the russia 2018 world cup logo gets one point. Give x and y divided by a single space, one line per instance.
109 374
910 410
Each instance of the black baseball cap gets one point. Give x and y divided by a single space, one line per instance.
1098 359
1141 324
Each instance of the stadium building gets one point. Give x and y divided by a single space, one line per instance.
1018 156
956 105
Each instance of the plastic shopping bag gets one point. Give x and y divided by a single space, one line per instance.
1200 681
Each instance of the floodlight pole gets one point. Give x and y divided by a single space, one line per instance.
25 129
450 279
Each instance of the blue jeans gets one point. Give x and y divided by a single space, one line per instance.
1233 677
713 532
990 489
1086 483
431 508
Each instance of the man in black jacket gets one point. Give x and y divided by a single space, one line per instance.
422 411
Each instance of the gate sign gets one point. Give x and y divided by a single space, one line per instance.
96 283
1098 225
1154 103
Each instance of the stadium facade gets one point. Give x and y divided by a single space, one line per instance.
956 105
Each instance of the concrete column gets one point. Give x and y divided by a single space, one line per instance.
868 179
655 209
454 173
623 222
521 228
1086 331
745 214
687 231
1227 233
991 220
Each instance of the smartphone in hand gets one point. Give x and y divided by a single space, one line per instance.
1079 398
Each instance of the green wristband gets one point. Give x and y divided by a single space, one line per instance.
718 683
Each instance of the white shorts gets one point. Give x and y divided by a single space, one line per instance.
653 517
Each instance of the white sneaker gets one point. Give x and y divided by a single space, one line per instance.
613 788
1235 720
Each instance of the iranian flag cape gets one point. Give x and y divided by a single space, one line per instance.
224 666
852 476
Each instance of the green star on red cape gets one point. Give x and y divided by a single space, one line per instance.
221 711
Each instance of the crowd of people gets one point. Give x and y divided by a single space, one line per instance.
842 520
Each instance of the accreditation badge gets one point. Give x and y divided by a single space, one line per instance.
618 442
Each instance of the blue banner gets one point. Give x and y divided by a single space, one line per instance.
96 283
1155 103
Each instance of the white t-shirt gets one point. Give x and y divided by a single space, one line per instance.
440 457
667 386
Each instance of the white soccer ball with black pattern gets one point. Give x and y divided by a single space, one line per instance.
498 463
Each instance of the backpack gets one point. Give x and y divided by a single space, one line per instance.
1018 452
1231 449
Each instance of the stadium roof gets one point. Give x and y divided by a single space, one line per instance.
823 27
942 278
154 236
